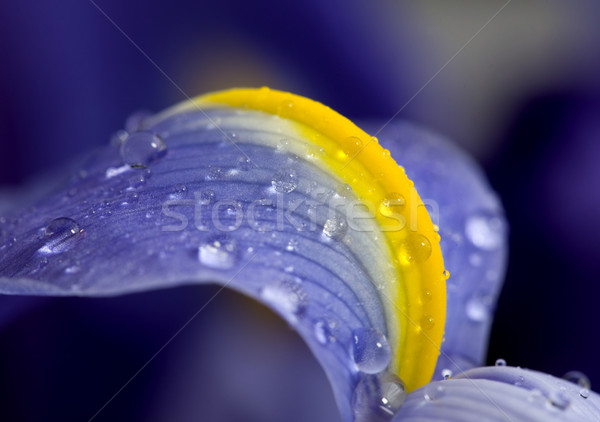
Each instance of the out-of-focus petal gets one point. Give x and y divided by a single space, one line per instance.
501 394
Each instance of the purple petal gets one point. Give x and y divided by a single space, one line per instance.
501 394
226 206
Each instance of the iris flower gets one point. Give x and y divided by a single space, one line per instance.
280 198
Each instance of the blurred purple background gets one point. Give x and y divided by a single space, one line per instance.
523 97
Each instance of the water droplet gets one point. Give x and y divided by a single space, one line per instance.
335 228
485 231
285 180
243 164
219 251
579 378
215 173
136 120
142 148
180 188
118 138
292 245
351 145
377 397
283 145
427 296
478 309
427 322
433 392
392 204
287 296
60 235
344 190
500 362
321 332
370 350
584 392
558 400
446 373
416 248
207 197
393 394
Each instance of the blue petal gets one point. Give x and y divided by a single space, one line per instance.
118 228
501 394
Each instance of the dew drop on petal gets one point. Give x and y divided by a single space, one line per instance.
370 350
485 231
558 400
393 394
135 121
416 248
351 145
427 322
579 378
243 164
584 392
60 235
446 373
433 392
335 228
142 148
284 180
207 197
500 362
378 397
219 252
215 173
392 204
292 245
287 296
118 138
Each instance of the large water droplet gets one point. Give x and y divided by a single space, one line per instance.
579 378
584 392
142 148
219 252
416 248
60 235
285 180
370 350
500 362
485 231
351 145
446 373
392 204
377 398
335 228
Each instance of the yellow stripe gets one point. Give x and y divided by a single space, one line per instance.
416 302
